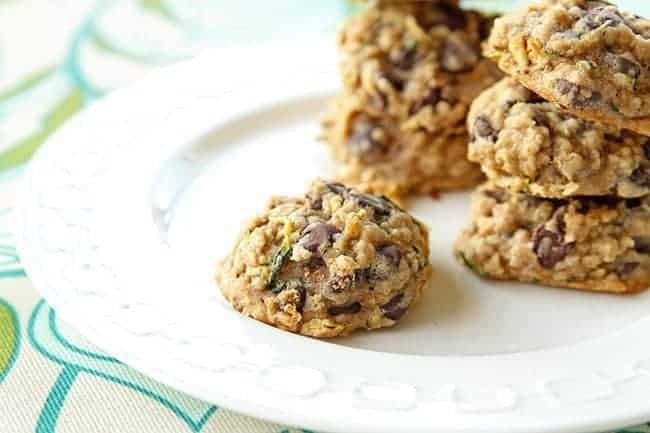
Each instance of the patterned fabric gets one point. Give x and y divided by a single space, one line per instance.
55 59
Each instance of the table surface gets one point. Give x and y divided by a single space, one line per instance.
57 57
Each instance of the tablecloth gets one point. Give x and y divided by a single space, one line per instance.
57 57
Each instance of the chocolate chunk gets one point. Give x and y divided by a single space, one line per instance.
363 139
317 235
497 195
393 309
381 205
483 128
646 150
642 244
579 96
549 247
352 308
623 269
458 56
431 97
598 17
622 65
392 253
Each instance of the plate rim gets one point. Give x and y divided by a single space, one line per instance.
228 400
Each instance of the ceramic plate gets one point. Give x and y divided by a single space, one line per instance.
128 207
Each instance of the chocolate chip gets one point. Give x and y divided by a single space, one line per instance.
393 309
458 56
448 15
497 195
396 80
404 58
302 292
362 276
363 140
455 17
549 247
318 234
642 244
622 65
641 176
599 16
646 150
337 188
315 263
352 308
623 269
392 253
540 119
431 97
533 98
483 128
578 95
381 205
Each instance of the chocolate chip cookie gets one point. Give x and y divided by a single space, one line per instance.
328 263
528 145
410 70
587 56
588 243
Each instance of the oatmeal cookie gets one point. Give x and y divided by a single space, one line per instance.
410 70
588 243
528 145
328 263
587 56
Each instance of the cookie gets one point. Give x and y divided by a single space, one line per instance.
410 71
596 244
587 56
527 144
328 263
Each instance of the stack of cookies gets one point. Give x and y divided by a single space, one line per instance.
564 143
410 70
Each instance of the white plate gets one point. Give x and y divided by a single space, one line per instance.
127 208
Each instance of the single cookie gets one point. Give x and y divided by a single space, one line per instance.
410 71
528 145
597 244
585 55
328 263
